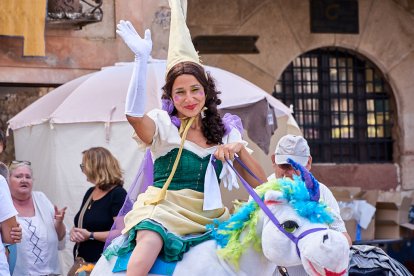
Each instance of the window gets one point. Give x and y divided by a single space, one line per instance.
342 105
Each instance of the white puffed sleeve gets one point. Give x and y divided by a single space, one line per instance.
166 135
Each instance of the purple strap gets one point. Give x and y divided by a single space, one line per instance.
265 209
143 179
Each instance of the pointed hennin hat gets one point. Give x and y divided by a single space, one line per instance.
180 45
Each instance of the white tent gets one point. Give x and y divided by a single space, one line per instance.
88 111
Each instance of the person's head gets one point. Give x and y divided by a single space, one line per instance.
3 141
295 148
191 88
20 179
101 168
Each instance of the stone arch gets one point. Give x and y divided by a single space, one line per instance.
288 96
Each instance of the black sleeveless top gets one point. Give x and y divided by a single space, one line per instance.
99 217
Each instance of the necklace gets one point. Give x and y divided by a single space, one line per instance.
90 204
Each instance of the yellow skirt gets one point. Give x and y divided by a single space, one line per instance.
181 212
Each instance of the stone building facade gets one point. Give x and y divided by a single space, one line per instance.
385 38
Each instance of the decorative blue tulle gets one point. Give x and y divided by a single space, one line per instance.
222 231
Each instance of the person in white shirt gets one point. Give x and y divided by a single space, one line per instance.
297 149
7 222
10 231
43 228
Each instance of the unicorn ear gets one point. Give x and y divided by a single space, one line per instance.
274 197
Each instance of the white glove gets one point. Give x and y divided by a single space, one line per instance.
141 47
229 177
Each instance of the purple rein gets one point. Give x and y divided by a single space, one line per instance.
311 183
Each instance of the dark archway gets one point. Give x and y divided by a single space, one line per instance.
343 105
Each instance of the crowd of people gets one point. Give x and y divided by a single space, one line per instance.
33 228
190 144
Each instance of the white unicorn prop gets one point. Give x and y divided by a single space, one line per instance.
251 242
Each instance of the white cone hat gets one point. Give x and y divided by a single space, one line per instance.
180 47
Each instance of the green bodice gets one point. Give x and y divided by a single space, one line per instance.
190 172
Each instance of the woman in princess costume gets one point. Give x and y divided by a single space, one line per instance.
189 142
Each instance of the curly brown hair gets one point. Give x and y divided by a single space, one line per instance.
212 125
101 167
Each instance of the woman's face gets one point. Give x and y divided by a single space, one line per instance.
188 96
83 164
21 181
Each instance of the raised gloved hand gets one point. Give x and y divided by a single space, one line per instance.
141 47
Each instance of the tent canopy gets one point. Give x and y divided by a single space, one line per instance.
100 97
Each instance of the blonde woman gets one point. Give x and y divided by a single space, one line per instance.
100 204
42 222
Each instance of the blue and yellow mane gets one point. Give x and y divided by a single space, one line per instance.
227 233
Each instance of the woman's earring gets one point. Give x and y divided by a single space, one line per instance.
203 112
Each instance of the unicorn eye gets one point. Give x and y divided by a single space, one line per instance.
290 226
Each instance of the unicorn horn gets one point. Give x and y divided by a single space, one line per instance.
310 181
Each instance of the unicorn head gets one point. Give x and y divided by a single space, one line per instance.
322 252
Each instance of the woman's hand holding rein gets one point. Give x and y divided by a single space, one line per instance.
227 151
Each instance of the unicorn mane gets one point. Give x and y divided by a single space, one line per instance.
228 233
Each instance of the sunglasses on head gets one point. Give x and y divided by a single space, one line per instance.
15 162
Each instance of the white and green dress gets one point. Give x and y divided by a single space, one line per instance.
193 198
